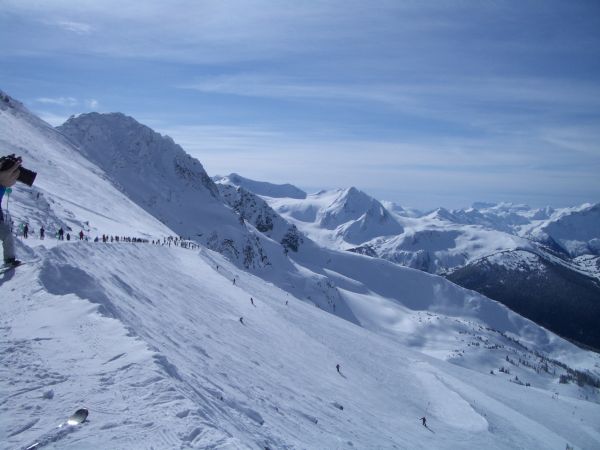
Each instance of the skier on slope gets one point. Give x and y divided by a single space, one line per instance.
337 366
424 420
8 177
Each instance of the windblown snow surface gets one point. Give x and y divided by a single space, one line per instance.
149 339
157 354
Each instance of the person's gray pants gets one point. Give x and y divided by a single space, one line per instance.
8 240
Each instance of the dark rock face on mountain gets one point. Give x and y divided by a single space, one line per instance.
256 211
548 292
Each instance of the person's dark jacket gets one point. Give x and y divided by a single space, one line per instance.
2 189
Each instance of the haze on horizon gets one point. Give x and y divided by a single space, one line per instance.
422 103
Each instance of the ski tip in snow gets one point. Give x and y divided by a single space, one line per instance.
78 417
63 429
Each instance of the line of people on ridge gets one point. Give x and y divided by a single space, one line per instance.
61 235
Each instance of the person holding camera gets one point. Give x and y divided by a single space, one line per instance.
9 174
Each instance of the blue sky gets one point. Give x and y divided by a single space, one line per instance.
426 103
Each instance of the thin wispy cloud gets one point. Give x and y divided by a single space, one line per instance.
61 101
483 93
68 102
92 104
378 153
75 27
213 31
507 108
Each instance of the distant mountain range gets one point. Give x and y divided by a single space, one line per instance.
542 263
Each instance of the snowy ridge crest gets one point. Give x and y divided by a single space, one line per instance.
262 188
357 217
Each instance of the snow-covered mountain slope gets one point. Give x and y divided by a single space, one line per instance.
337 282
589 264
261 187
437 246
464 241
544 289
577 232
161 360
574 231
159 176
69 191
506 217
550 290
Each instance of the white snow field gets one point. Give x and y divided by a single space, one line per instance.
149 338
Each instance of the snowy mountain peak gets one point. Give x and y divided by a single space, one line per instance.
6 101
352 191
162 178
357 217
443 214
262 188
349 204
134 154
576 231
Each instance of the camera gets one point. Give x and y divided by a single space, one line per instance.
26 176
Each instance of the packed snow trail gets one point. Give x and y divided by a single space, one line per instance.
148 339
